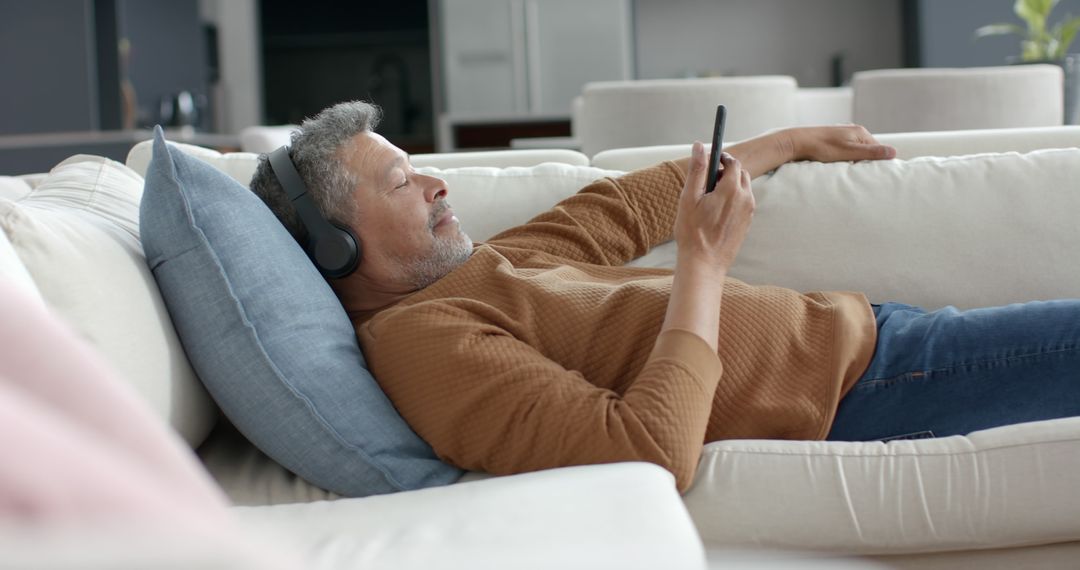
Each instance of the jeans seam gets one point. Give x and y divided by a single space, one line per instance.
908 376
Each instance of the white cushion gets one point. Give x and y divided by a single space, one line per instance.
621 114
978 141
500 158
239 165
13 187
823 105
908 145
1008 486
77 235
487 200
575 517
12 268
929 231
265 138
933 99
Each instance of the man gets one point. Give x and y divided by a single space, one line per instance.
538 349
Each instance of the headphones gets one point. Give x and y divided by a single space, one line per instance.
333 248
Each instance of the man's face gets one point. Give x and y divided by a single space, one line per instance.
408 233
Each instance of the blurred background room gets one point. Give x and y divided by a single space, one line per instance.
95 75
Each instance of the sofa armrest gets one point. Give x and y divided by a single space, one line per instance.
623 515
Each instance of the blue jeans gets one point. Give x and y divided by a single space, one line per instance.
952 372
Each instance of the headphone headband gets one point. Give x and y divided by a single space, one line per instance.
334 249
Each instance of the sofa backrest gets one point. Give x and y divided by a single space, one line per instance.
908 145
969 231
72 239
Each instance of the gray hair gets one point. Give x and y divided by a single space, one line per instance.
317 150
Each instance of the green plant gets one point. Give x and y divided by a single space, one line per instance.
1039 43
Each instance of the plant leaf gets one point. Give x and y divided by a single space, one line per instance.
1068 33
1034 12
999 30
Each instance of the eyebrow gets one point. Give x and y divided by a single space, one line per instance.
400 160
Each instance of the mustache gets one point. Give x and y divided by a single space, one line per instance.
440 208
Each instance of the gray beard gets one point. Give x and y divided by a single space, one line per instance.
446 255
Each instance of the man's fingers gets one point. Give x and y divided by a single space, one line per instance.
885 151
695 177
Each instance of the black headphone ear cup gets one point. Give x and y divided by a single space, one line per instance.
333 248
335 252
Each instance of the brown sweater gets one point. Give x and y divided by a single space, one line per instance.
542 351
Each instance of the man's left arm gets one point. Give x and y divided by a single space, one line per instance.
768 152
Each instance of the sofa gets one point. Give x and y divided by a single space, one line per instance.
934 228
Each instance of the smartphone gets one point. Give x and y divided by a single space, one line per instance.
717 147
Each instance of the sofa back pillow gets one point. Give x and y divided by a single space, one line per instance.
269 338
968 231
76 236
489 200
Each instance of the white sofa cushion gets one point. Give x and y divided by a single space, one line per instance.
908 145
241 165
937 98
12 268
535 520
77 236
1008 486
488 200
13 187
930 231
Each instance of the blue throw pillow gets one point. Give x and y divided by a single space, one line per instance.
268 337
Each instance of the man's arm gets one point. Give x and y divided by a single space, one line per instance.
614 220
768 152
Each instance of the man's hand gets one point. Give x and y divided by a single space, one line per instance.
834 144
710 227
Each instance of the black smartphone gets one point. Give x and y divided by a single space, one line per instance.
717 146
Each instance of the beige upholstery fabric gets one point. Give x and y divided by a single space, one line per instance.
908 145
620 114
77 236
1008 486
929 231
499 523
938 99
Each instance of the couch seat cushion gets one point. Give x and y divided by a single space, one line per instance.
625 516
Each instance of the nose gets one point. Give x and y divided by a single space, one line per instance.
434 188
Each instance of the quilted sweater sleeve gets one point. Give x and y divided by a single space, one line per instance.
609 222
486 401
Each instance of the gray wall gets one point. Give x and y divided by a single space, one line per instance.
948 26
46 62
676 38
